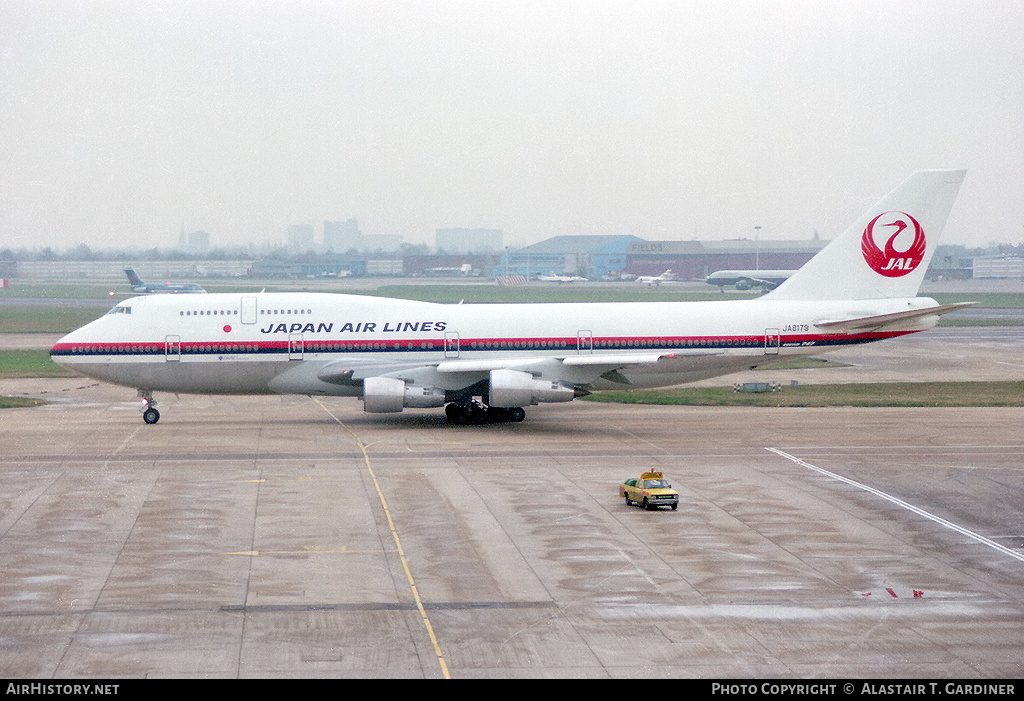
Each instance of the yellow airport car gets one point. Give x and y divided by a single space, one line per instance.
650 491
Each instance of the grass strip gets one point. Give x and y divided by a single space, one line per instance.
33 318
19 402
880 394
16 364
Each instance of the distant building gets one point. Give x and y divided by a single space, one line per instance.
592 257
452 241
342 236
950 262
999 267
695 260
159 270
320 267
345 236
385 267
301 237
197 242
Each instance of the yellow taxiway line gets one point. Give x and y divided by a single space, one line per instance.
398 542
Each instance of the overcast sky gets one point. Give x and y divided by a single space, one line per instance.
120 122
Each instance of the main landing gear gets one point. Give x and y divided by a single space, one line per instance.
149 413
474 413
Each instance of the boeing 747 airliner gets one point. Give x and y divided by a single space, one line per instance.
485 362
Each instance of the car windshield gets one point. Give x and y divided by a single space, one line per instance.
656 484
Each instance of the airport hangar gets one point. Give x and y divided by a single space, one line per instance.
608 257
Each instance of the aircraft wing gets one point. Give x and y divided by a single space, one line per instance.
878 321
575 369
354 371
486 365
760 280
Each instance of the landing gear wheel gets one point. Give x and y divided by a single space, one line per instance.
477 414
457 414
149 413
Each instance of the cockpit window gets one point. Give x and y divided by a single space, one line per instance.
120 310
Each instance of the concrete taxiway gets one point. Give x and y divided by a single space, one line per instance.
291 537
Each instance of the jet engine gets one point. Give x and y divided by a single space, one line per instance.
383 395
513 388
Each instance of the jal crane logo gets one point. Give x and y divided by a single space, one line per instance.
889 261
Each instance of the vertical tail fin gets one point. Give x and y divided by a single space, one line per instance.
886 252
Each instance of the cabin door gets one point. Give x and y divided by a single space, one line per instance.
772 340
172 348
295 346
584 341
248 310
451 344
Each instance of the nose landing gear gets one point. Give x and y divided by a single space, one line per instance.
149 413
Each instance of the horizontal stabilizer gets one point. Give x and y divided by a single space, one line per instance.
876 321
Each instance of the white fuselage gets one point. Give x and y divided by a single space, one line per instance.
282 342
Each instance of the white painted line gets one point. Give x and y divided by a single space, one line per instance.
899 502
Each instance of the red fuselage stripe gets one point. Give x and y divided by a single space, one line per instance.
466 344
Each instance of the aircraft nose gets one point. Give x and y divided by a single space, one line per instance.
60 352
68 350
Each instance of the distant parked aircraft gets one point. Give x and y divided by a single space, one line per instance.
561 278
666 276
747 279
140 287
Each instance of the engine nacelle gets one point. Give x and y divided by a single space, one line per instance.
385 395
512 388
